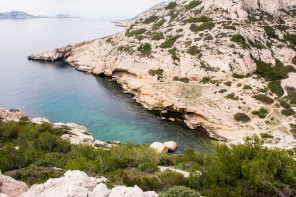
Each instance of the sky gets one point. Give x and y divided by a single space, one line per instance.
82 8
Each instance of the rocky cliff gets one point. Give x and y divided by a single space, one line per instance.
216 63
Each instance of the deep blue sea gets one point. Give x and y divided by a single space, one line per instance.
61 94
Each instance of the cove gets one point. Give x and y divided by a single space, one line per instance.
58 92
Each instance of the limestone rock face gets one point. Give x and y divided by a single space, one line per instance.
159 147
216 41
10 115
171 145
78 184
11 187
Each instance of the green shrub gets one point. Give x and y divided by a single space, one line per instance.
202 18
230 27
158 73
193 50
238 38
150 19
294 61
222 91
179 191
171 5
145 49
170 178
272 73
257 44
291 38
248 170
202 27
148 167
173 53
285 105
184 80
169 42
157 36
247 87
288 112
108 40
135 32
158 24
270 32
276 87
24 120
205 80
228 83
192 5
241 117
264 99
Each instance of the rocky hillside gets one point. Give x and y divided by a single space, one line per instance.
225 67
15 15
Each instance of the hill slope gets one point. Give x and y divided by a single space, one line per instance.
218 65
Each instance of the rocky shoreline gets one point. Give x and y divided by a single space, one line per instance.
205 75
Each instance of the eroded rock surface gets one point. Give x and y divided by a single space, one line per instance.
11 187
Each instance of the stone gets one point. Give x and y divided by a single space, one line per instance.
159 147
12 187
171 145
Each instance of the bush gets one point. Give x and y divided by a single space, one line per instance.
145 49
150 19
270 32
170 178
135 32
193 50
285 105
184 80
238 38
192 5
203 18
202 27
179 191
159 24
241 117
230 27
170 41
291 38
157 36
264 99
247 87
228 83
248 170
288 112
173 53
273 73
171 5
148 167
276 87
262 113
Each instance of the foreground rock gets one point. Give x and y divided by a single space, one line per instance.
159 147
77 183
10 115
11 187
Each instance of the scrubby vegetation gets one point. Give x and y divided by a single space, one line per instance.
145 49
238 38
169 41
238 170
276 87
264 99
262 112
192 5
171 5
202 27
158 73
151 19
241 117
193 50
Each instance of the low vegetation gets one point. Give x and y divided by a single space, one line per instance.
202 27
145 49
171 5
236 170
241 117
238 38
264 99
262 112
193 50
192 5
169 42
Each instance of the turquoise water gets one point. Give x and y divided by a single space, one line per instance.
62 94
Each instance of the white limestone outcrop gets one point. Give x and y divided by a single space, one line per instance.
78 184
11 187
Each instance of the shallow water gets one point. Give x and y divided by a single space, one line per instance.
61 94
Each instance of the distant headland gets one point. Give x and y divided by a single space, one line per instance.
24 15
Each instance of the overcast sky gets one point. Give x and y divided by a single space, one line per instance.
83 8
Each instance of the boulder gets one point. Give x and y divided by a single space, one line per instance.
159 147
11 187
172 146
